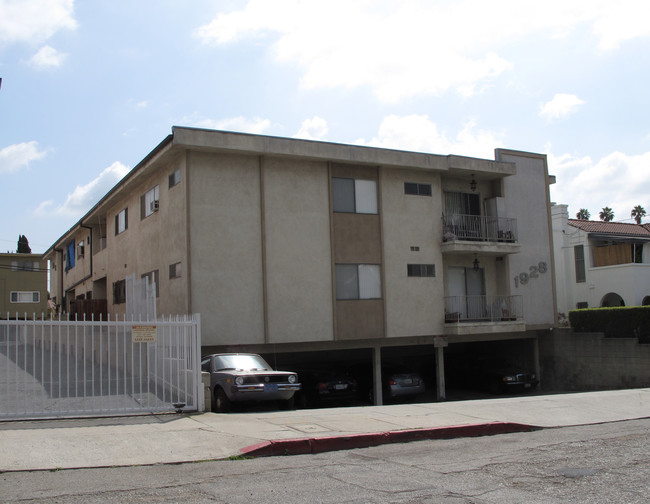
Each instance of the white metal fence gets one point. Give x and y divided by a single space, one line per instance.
66 368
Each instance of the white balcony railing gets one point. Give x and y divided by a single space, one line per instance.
483 308
479 228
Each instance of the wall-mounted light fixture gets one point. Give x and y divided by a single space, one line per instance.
476 263
472 184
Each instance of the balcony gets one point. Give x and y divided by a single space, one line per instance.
479 234
481 314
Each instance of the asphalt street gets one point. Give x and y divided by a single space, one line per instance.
601 463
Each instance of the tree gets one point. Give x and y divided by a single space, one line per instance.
607 214
23 245
638 212
583 214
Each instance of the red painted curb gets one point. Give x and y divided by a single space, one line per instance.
333 443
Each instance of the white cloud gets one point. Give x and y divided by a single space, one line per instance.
618 180
34 21
17 156
255 125
560 106
82 198
313 129
405 49
47 56
419 133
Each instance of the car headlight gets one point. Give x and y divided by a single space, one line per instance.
508 378
239 380
292 378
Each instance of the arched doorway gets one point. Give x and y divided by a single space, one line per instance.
611 299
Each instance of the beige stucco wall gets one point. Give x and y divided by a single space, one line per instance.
414 306
152 243
298 251
528 200
226 247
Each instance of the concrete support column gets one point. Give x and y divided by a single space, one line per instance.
376 376
439 344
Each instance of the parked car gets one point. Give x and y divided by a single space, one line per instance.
492 374
507 379
321 386
239 377
398 384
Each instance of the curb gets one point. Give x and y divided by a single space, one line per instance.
306 446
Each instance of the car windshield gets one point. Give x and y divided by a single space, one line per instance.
243 362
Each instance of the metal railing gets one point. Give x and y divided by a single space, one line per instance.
483 308
479 228
64 368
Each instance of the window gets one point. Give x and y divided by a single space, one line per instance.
354 196
175 270
80 249
152 277
358 281
637 253
174 178
149 202
25 266
119 292
417 189
579 252
421 270
25 297
70 254
122 221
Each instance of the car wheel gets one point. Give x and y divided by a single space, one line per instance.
221 401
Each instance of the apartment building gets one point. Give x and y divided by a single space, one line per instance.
23 286
324 251
600 263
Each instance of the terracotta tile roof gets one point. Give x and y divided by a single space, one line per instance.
612 228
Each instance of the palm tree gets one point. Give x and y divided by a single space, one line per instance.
583 214
638 212
606 214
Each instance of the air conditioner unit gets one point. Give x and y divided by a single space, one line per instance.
154 205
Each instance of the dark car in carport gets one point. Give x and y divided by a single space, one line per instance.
325 387
492 374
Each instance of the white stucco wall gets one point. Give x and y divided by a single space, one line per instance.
528 201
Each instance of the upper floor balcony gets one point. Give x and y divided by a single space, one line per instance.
481 314
479 234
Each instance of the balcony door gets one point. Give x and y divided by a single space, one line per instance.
463 212
467 287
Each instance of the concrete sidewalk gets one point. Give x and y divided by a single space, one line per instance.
158 439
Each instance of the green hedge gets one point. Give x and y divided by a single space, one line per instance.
619 322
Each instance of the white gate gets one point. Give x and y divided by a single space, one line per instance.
70 368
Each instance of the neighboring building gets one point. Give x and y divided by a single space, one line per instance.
600 263
326 251
23 286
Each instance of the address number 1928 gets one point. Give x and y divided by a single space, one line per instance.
533 272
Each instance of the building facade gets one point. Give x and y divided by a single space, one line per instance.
23 286
600 263
289 246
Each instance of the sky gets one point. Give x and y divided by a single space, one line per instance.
90 87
